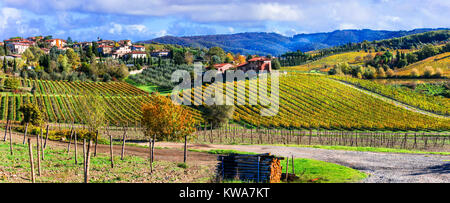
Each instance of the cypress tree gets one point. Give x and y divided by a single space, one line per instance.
5 65
15 66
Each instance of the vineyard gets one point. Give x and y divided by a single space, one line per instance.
306 102
314 101
441 61
435 104
348 57
60 101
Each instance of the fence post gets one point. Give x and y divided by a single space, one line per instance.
185 149
30 153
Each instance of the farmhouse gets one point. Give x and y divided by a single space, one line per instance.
138 48
60 43
257 64
137 54
160 53
105 49
125 43
18 47
223 67
121 51
82 45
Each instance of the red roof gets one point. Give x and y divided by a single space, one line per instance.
101 46
138 52
259 59
243 64
221 65
137 46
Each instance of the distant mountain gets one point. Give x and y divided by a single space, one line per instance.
271 43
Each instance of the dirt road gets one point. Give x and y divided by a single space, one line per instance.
382 167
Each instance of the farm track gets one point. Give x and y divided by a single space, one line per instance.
382 167
174 155
395 102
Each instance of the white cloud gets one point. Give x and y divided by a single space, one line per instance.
347 26
9 16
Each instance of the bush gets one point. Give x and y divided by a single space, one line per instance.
390 73
428 72
438 73
414 73
381 73
12 83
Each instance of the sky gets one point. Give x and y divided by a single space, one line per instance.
85 20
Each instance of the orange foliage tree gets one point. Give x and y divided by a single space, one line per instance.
164 120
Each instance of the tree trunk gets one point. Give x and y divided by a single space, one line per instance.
185 148
76 147
42 143
46 137
84 155
111 150
123 143
30 153
70 140
96 142
153 152
10 142
111 153
25 133
6 130
38 155
88 159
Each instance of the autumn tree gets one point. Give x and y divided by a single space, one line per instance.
218 115
93 112
165 120
73 58
229 58
31 114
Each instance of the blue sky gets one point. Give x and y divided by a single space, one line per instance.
85 20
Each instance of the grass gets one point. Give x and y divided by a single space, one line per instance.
309 170
365 149
154 88
59 167
315 171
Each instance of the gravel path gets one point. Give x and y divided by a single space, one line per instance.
382 167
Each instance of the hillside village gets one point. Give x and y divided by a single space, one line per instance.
122 49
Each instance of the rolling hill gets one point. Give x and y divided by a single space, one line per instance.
441 61
272 43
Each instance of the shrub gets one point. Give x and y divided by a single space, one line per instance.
428 72
12 83
390 73
381 73
414 73
438 73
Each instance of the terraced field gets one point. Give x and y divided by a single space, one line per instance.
441 61
312 101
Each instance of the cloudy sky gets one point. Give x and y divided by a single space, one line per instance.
147 19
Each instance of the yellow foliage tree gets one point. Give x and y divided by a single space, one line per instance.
165 120
241 59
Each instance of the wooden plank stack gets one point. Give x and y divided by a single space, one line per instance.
253 168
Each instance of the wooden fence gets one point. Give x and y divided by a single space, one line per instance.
233 134
236 134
